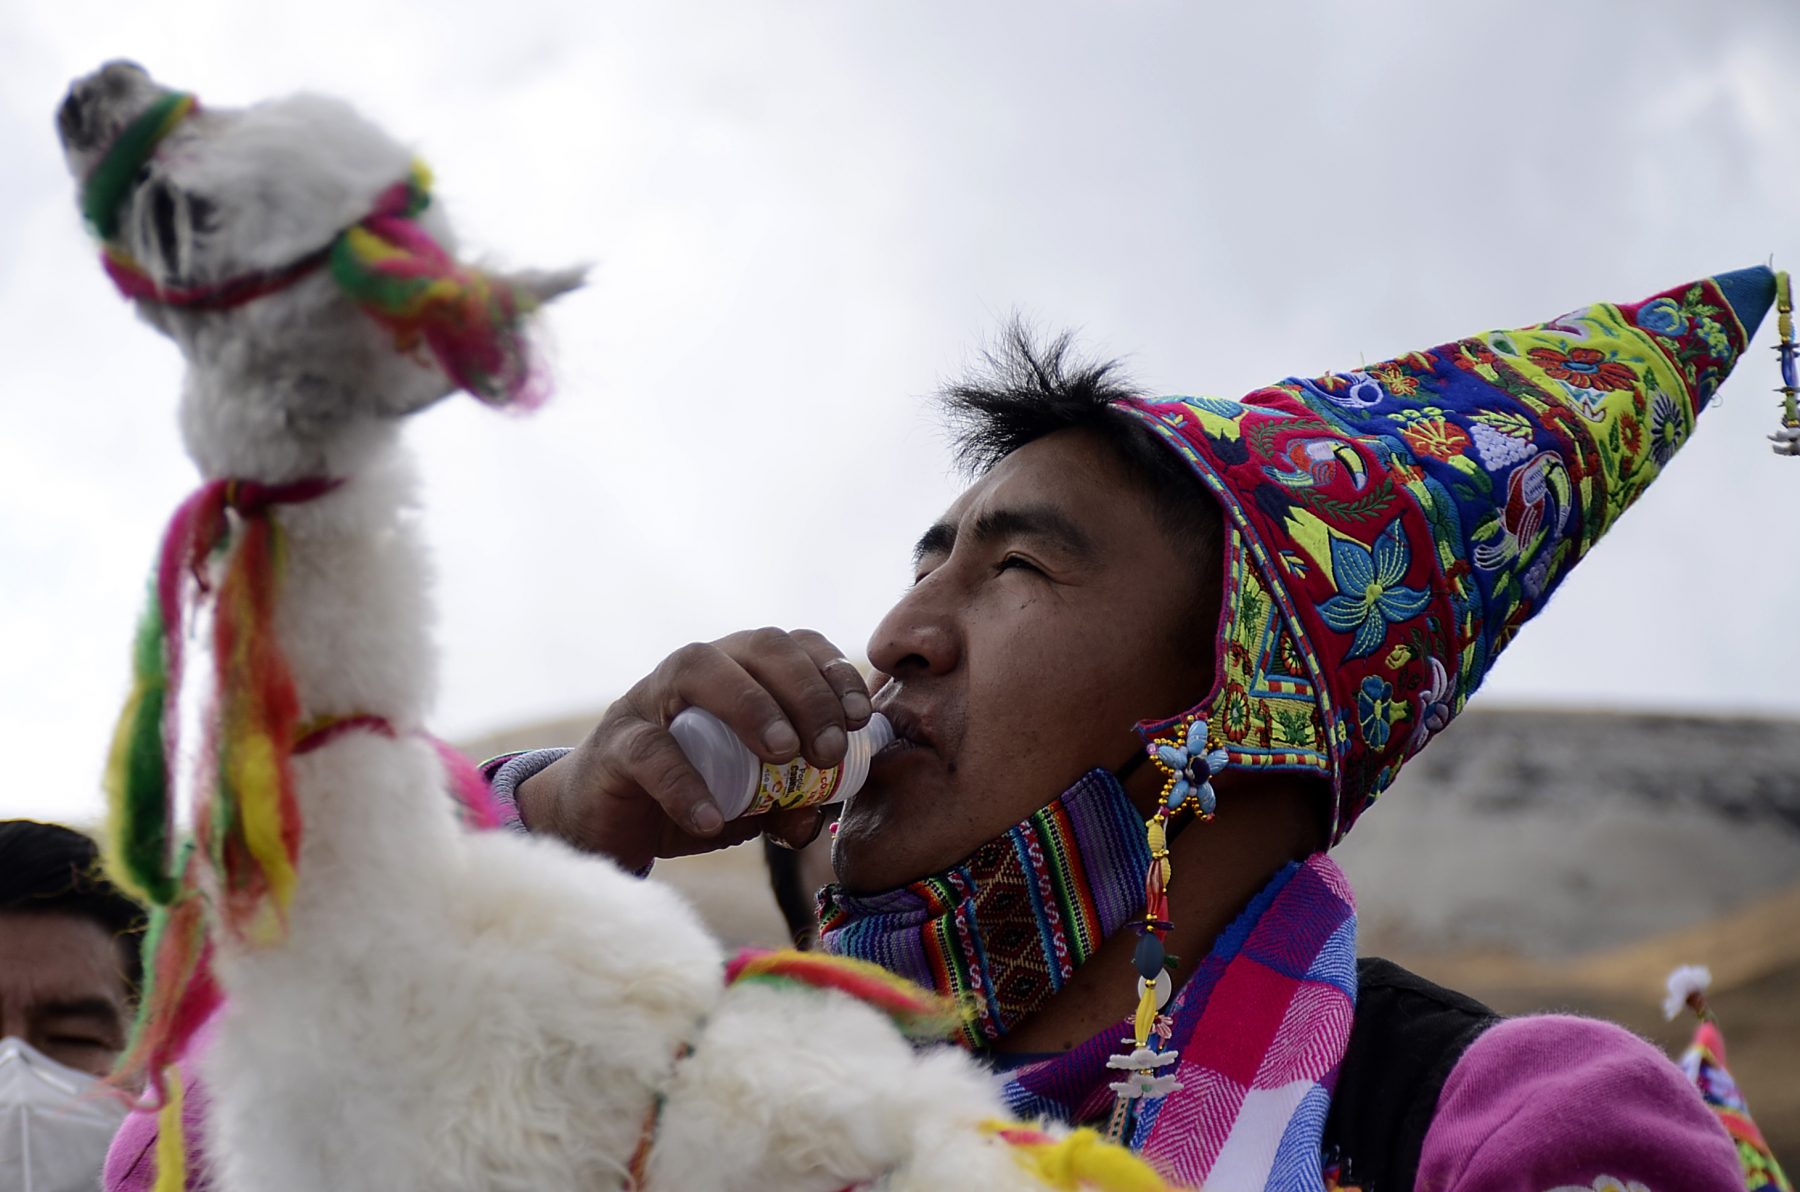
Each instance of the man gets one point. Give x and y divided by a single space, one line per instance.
1277 601
68 972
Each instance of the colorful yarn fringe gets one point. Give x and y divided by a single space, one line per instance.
1081 1160
247 828
475 803
406 282
920 1013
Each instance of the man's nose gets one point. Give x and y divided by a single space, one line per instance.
919 636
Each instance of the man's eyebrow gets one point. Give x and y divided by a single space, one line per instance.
1043 522
936 541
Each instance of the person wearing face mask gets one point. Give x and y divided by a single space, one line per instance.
68 972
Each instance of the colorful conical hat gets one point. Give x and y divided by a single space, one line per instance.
1704 1063
1388 530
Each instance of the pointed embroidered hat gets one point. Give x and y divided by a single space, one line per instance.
1704 1064
1388 530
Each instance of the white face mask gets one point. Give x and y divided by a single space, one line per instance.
55 1122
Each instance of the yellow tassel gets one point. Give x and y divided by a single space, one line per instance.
118 811
171 1144
256 776
1082 1160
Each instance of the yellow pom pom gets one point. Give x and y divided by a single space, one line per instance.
1083 1160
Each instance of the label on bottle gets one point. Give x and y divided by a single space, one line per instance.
794 784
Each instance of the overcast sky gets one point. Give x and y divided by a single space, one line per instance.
806 216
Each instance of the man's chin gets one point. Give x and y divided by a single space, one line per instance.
879 822
897 777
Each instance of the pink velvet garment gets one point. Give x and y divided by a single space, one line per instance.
1560 1104
131 1160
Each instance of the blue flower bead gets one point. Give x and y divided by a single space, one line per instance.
1192 766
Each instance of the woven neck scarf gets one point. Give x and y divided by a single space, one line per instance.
1006 929
1261 1027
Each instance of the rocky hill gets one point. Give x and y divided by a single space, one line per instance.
1551 833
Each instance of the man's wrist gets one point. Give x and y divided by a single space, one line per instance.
525 788
535 797
523 802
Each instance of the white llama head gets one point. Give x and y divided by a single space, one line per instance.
201 206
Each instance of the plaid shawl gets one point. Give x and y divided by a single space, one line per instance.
1261 1027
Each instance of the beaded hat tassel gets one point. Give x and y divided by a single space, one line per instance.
1787 439
1189 765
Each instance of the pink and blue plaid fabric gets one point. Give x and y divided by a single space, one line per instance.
1261 1026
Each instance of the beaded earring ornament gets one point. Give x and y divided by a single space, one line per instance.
1189 759
1787 439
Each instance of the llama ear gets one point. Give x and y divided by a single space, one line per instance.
544 285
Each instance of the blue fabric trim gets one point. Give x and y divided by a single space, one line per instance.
507 773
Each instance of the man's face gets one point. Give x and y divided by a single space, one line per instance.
62 988
1050 614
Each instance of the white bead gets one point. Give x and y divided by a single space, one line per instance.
1165 989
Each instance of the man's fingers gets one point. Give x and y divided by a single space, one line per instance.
652 761
704 676
813 707
634 795
840 673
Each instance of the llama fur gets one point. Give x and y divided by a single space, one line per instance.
452 1009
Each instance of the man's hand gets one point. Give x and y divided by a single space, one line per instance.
628 792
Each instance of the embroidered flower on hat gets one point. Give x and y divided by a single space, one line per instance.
1370 596
1631 435
1395 380
1428 432
1190 765
1663 316
1376 710
1665 428
1584 368
1437 438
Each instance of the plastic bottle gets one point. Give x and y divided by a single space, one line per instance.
744 784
